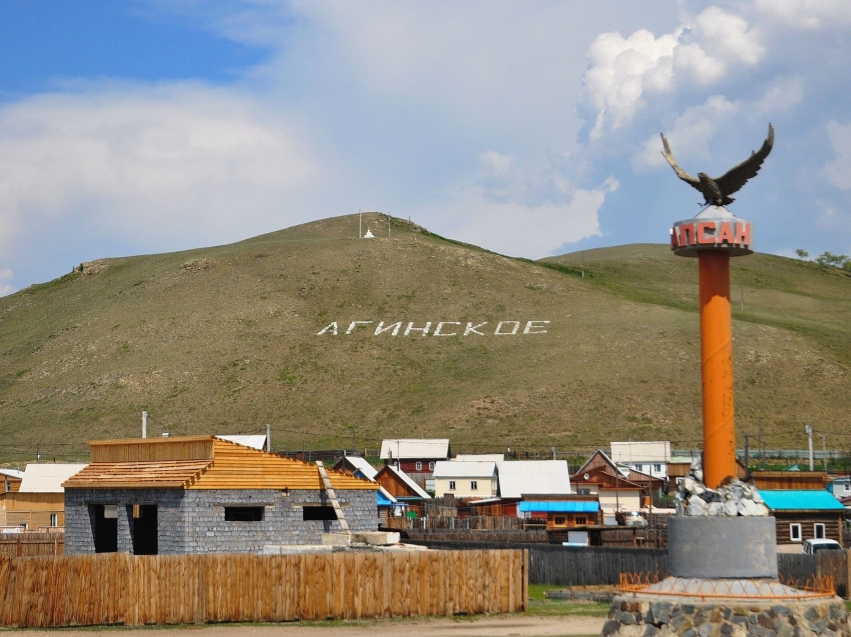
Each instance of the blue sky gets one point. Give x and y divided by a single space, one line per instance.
530 128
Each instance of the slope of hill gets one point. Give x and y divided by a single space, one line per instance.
226 339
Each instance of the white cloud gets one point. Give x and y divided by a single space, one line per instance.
690 135
5 282
145 163
727 35
807 14
519 229
622 72
838 172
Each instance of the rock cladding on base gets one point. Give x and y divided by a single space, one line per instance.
736 498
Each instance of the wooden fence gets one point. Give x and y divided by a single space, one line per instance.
32 544
119 588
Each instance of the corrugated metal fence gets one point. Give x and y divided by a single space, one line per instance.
120 588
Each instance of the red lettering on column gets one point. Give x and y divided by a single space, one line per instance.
726 234
687 234
702 237
744 237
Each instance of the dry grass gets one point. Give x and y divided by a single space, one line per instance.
223 340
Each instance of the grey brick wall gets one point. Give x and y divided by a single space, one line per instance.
193 521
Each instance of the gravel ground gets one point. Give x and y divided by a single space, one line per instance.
504 625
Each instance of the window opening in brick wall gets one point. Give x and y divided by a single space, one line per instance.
244 514
795 532
319 513
818 531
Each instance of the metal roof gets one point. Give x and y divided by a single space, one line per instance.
801 500
48 478
255 441
413 448
384 497
541 477
455 469
12 473
555 506
360 464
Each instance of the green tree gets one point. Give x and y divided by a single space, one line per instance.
832 260
802 254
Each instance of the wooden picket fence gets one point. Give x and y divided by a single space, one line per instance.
119 588
32 544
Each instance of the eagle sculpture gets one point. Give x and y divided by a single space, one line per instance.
717 191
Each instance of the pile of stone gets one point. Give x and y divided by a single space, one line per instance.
732 499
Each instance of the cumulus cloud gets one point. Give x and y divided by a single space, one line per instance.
838 172
181 160
521 209
690 135
807 14
622 72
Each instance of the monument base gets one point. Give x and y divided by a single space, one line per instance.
643 615
722 547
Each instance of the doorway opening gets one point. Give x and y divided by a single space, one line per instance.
105 528
144 529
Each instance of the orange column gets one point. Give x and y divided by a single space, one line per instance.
716 362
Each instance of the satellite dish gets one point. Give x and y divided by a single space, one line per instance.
587 476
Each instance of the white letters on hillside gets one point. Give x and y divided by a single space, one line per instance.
444 328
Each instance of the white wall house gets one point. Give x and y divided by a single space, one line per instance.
647 457
465 479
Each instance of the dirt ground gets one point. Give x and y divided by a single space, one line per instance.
498 626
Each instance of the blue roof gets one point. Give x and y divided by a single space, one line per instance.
801 500
382 501
556 506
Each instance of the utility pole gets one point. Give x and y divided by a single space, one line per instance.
809 431
268 437
144 424
824 450
554 452
747 465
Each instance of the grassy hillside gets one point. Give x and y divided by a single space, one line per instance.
224 340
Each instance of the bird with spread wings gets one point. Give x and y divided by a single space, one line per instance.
717 191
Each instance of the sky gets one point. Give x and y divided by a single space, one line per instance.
530 128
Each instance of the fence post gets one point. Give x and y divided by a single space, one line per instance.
525 574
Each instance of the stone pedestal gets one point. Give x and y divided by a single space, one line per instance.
654 616
722 547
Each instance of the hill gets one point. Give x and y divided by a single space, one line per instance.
226 339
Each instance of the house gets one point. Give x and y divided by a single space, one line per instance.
39 501
415 455
388 506
203 494
561 513
400 485
649 484
789 480
803 514
840 487
614 492
645 457
479 457
11 480
679 466
465 479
